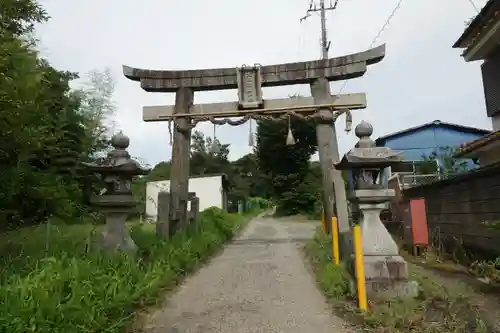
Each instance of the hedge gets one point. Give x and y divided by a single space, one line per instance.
69 289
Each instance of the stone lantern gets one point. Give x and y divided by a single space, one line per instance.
117 201
386 271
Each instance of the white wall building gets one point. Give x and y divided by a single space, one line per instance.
211 189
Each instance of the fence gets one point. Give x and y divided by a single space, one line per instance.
411 180
457 207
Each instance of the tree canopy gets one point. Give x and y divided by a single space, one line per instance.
272 171
46 128
292 184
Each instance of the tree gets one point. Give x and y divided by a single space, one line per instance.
249 180
288 166
35 105
18 17
208 156
448 164
161 171
44 132
97 107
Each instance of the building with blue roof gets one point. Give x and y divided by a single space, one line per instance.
417 143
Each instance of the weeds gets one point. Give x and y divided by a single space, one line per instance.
333 279
452 256
67 289
489 269
438 308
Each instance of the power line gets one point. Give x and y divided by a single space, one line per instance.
384 27
387 22
474 5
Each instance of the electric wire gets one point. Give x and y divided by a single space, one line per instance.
380 32
474 5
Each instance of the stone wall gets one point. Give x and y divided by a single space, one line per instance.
457 207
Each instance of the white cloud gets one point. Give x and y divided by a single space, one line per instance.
421 79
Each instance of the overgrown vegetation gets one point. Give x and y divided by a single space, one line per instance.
443 162
47 128
455 258
295 181
439 307
68 288
53 278
208 157
489 269
257 204
450 255
275 171
333 279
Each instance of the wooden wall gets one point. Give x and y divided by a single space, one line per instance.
457 207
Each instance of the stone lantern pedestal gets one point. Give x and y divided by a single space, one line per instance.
117 201
115 236
386 272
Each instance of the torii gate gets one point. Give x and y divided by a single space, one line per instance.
249 81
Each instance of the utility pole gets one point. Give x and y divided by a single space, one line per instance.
334 203
325 43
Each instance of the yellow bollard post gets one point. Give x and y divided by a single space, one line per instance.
335 241
323 222
360 268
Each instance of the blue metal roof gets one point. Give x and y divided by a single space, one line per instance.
435 123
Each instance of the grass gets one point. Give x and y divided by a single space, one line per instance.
70 289
455 259
450 255
485 269
438 308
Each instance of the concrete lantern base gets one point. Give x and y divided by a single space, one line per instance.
386 272
387 277
116 236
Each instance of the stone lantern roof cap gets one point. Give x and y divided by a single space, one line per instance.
363 131
120 141
118 160
365 154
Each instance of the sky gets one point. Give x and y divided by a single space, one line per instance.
421 79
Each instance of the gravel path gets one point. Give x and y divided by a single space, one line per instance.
258 284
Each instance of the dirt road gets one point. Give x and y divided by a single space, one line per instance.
258 284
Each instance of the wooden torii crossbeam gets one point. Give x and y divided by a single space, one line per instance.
249 81
333 69
273 106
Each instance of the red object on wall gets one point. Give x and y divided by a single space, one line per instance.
415 223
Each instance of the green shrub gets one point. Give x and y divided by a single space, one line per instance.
317 211
256 204
67 289
333 279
